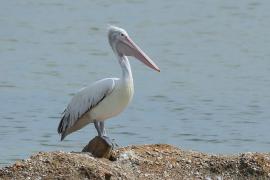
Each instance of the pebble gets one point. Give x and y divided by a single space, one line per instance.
165 174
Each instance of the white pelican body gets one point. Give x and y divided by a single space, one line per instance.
107 97
115 102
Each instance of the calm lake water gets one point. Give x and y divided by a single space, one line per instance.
212 94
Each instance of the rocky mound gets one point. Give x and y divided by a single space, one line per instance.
141 162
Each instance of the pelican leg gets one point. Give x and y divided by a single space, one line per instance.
104 134
102 128
97 126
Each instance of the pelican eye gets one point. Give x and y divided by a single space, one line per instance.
122 34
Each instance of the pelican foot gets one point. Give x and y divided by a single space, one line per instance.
108 141
114 143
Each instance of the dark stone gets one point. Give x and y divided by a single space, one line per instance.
100 147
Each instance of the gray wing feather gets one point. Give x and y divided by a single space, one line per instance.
83 101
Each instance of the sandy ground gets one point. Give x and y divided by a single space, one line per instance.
141 162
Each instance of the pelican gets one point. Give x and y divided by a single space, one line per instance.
107 97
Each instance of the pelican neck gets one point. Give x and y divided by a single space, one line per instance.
126 69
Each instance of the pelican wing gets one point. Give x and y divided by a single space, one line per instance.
84 101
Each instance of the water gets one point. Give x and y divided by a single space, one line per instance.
212 94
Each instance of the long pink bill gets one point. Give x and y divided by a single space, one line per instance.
140 55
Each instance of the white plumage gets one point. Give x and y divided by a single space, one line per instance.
107 97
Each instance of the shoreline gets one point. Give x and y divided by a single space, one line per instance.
157 161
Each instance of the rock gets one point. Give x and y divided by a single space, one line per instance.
141 162
99 147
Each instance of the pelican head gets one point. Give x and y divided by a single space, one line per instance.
123 45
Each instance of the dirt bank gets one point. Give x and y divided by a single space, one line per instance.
141 162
